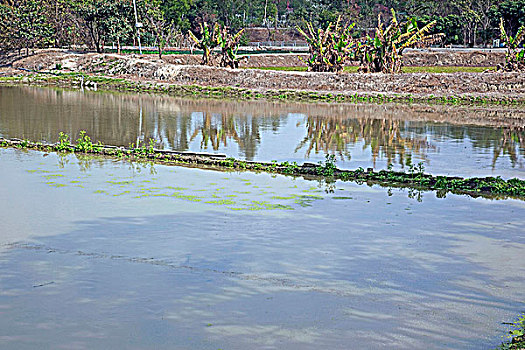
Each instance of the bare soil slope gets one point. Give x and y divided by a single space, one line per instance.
490 85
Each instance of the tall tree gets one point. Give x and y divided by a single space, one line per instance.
104 20
513 14
24 25
66 28
162 27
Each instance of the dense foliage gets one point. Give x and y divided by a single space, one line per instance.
60 23
334 46
210 37
383 52
330 48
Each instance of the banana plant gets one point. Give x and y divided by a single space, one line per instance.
207 41
229 44
515 56
330 48
218 36
383 52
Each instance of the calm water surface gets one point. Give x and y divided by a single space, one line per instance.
448 140
104 254
108 254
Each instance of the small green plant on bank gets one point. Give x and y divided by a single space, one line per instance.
289 168
64 144
515 55
516 335
144 151
84 144
328 167
23 144
417 171
151 147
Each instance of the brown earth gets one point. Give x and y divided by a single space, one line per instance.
410 58
471 58
491 85
250 61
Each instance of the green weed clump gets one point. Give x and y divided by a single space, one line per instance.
289 168
85 145
22 144
516 336
328 167
64 144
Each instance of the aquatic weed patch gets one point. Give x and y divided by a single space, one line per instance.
516 336
415 178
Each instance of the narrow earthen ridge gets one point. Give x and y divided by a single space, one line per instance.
492 187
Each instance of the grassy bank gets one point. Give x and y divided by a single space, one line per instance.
102 82
493 187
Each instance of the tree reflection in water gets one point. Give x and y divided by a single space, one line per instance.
384 137
391 133
217 129
506 143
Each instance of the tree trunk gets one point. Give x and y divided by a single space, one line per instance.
57 34
94 36
276 16
265 9
475 32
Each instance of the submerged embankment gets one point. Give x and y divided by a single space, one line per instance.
130 72
416 178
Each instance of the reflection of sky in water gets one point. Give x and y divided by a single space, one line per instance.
448 139
83 268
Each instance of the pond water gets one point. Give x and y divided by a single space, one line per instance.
449 140
104 254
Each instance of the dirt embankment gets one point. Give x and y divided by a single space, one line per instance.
473 58
468 58
486 85
249 61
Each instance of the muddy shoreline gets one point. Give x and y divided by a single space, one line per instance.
139 73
